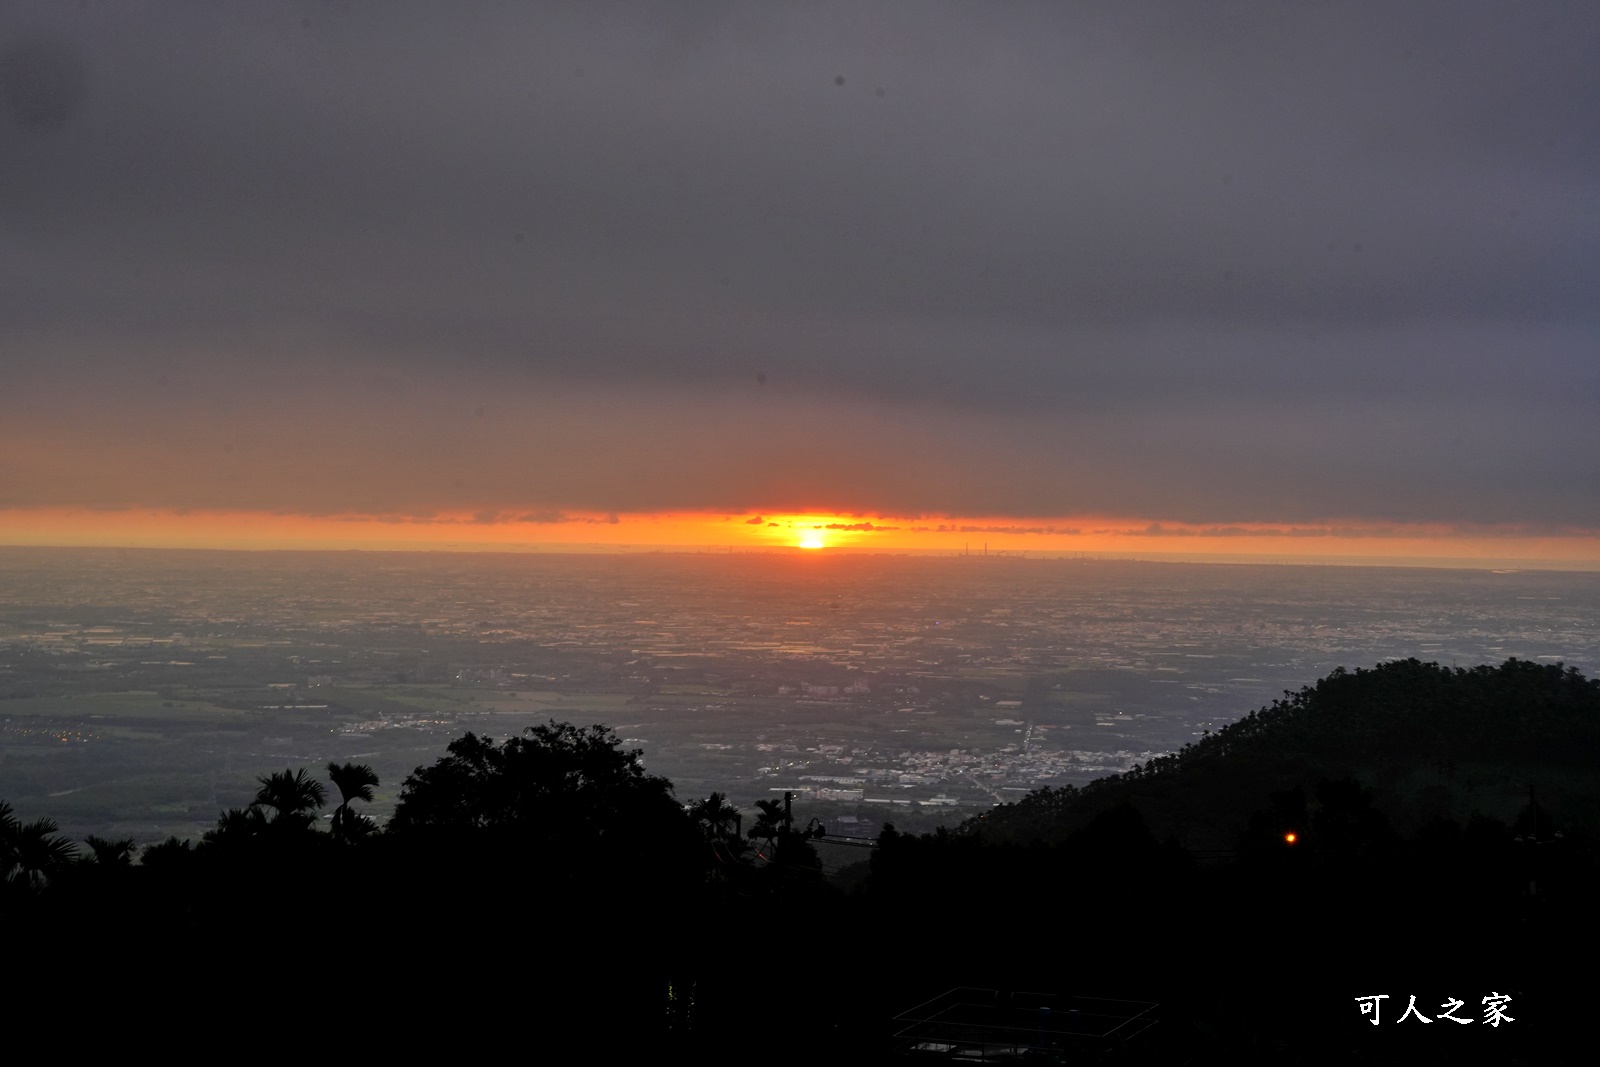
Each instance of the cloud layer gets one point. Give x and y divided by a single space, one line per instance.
1200 263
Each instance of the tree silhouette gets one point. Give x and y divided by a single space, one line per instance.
354 781
293 798
562 809
556 781
31 855
717 818
770 823
169 854
110 853
234 827
788 851
719 824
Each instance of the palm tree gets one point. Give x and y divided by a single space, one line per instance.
719 822
717 818
31 854
786 847
354 782
294 799
236 825
110 853
771 823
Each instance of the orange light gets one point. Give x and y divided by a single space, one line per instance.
1289 838
518 525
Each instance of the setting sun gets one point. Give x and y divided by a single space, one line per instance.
813 539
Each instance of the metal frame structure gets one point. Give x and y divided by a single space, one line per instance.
970 1025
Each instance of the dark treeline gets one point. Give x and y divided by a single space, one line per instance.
1411 829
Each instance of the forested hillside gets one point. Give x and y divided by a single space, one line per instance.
1430 742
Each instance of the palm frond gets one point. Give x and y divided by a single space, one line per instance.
353 780
291 794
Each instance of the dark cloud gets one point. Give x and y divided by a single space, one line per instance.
1214 264
951 528
544 517
42 82
1349 531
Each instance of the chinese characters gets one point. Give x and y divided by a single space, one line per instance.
1494 1010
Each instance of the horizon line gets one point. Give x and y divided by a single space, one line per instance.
589 549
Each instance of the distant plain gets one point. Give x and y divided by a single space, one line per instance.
142 691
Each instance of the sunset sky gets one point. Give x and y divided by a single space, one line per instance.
1224 278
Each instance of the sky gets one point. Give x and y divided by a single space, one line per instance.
1232 277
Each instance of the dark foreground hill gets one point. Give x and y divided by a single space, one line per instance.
1429 742
546 893
1411 830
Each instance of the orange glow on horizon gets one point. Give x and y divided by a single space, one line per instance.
546 530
